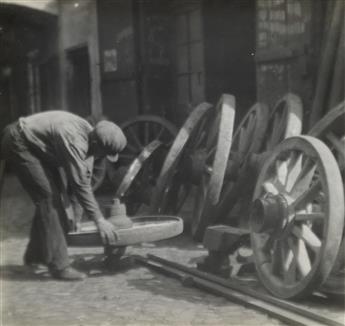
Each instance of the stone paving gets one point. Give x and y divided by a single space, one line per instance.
131 295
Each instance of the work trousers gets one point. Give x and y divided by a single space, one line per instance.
42 181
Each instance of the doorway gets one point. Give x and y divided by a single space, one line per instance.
78 81
189 60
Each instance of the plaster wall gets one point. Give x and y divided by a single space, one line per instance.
78 27
48 6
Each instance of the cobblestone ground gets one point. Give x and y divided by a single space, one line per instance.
130 295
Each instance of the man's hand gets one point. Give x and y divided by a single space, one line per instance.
107 231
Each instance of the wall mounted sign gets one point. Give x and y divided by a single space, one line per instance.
110 60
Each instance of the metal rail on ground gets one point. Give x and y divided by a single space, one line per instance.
274 307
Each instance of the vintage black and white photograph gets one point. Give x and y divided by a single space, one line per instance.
172 162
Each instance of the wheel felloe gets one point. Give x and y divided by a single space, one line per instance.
297 217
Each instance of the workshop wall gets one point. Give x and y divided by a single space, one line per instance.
79 57
27 46
289 33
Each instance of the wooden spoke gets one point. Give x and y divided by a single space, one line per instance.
309 237
308 195
290 263
128 157
275 187
304 178
277 258
278 129
182 198
242 142
302 258
289 256
271 139
131 148
135 138
146 132
200 133
250 125
336 142
210 153
160 133
295 166
269 187
281 171
315 216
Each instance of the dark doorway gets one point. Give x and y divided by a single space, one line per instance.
189 62
229 29
78 89
49 83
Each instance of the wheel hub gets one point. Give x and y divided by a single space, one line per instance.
269 214
195 166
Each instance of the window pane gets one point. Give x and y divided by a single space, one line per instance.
197 57
182 59
183 90
197 82
195 25
181 29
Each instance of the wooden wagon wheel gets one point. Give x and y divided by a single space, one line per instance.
247 140
140 178
210 162
173 183
142 130
145 229
285 121
330 129
297 217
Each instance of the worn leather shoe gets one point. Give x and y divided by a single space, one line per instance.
68 274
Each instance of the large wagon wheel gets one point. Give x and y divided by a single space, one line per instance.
140 132
247 140
173 183
144 129
137 184
284 121
145 229
210 162
297 217
330 129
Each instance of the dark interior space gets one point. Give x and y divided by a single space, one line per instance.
229 30
78 81
27 38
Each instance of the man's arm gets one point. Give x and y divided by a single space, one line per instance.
79 172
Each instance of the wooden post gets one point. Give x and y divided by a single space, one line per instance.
2 176
327 63
337 85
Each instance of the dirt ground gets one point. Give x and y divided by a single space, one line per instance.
130 295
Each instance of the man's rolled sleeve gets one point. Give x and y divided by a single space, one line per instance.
79 173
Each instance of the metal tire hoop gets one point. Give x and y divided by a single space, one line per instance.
164 198
217 154
297 217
